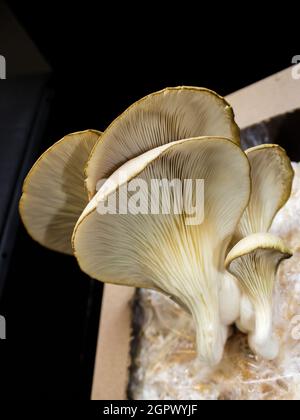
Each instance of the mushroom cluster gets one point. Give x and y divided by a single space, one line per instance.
221 271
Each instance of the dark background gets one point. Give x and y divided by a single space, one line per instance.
103 59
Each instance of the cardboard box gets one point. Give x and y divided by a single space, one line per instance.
273 96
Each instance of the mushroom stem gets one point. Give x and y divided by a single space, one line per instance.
263 323
211 335
261 340
230 298
246 322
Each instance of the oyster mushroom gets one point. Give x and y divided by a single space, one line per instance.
271 180
272 177
162 117
254 261
54 194
161 251
176 134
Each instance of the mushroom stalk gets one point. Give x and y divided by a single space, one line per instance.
230 298
270 166
199 294
211 334
261 340
246 319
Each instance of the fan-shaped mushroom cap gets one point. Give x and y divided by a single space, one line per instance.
161 251
254 262
272 177
54 193
162 117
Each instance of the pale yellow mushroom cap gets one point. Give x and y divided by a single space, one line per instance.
162 117
272 177
54 193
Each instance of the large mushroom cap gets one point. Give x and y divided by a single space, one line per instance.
161 250
54 193
162 117
272 177
254 262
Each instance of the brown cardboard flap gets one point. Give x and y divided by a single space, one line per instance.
112 359
272 96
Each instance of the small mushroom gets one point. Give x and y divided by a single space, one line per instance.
162 117
272 178
254 261
54 194
161 251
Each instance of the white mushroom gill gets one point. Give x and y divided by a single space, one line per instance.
163 252
272 177
230 299
162 117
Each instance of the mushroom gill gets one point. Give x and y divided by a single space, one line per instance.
162 251
159 118
54 194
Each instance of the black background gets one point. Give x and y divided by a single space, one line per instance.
104 57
